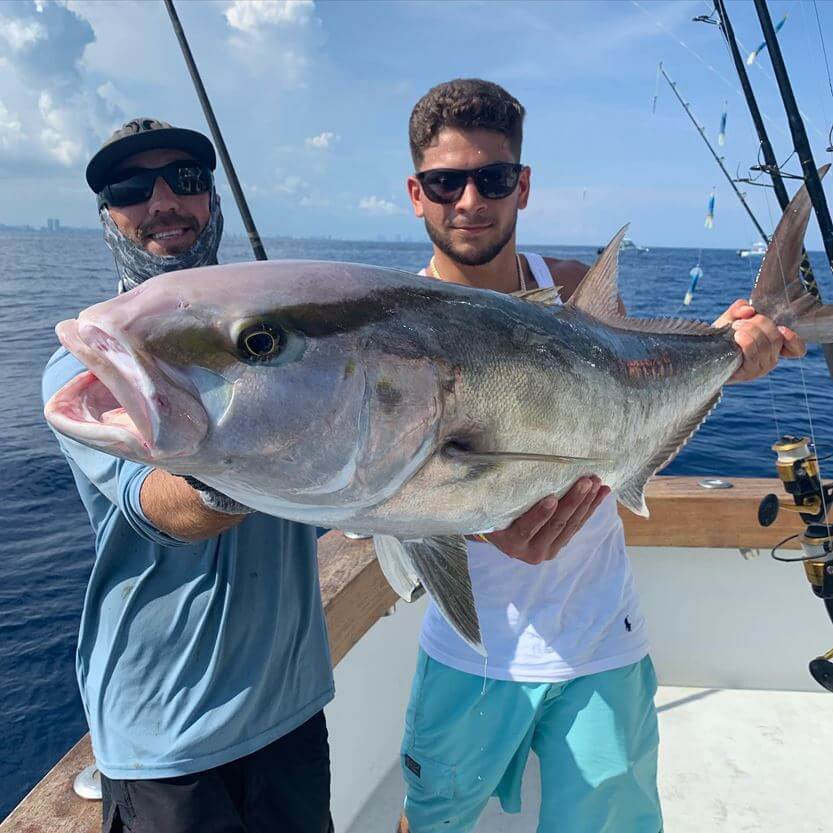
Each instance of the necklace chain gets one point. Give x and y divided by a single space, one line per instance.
432 266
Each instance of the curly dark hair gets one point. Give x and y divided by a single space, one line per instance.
467 104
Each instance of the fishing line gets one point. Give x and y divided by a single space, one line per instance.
823 48
704 62
770 382
819 92
771 78
800 361
774 551
656 94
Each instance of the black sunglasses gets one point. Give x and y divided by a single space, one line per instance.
494 182
185 177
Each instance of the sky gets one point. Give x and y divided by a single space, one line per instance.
313 98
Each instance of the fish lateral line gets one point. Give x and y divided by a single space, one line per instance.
459 453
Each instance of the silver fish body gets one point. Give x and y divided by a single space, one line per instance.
384 403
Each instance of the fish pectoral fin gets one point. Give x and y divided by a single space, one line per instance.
632 493
397 566
441 564
465 456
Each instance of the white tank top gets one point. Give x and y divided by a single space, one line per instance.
577 614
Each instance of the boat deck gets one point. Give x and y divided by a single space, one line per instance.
731 761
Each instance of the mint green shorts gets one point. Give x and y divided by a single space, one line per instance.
595 737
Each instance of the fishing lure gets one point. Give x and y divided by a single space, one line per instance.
710 211
695 274
754 53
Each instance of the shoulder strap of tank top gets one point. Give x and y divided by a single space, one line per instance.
537 265
540 270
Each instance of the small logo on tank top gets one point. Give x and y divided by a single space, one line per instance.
628 625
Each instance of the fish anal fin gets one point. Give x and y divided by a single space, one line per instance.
632 493
632 496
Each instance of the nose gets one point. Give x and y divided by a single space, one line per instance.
470 200
163 198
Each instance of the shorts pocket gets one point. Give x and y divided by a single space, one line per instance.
428 778
112 820
117 806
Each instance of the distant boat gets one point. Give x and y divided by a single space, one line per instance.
627 246
758 250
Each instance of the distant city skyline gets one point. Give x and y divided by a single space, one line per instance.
314 98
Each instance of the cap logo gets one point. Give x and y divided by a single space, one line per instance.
137 126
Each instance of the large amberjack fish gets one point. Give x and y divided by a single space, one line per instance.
409 409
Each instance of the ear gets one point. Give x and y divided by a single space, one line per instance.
415 195
523 187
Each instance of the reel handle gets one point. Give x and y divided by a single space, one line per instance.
821 670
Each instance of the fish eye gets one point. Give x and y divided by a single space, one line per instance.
260 341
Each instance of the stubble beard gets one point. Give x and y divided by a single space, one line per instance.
442 241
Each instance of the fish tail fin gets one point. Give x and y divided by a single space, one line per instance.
779 292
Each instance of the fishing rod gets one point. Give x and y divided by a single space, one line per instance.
772 168
702 132
222 151
797 457
799 134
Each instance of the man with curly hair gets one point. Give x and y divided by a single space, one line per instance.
568 674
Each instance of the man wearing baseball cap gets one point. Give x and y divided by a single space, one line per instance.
202 659
156 199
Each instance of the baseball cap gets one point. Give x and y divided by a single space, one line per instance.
142 134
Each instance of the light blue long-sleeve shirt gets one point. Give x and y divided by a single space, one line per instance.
190 654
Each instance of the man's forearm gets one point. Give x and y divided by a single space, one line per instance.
171 505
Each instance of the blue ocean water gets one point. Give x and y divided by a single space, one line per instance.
46 543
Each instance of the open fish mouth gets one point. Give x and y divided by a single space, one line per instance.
119 403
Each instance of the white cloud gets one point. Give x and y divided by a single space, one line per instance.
110 93
58 141
11 129
323 141
20 35
378 207
315 200
275 39
53 114
291 185
251 15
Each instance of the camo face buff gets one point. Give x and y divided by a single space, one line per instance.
134 265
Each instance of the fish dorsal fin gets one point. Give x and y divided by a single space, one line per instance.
598 292
632 493
598 295
669 326
441 564
547 296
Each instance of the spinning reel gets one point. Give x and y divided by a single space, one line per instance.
798 469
